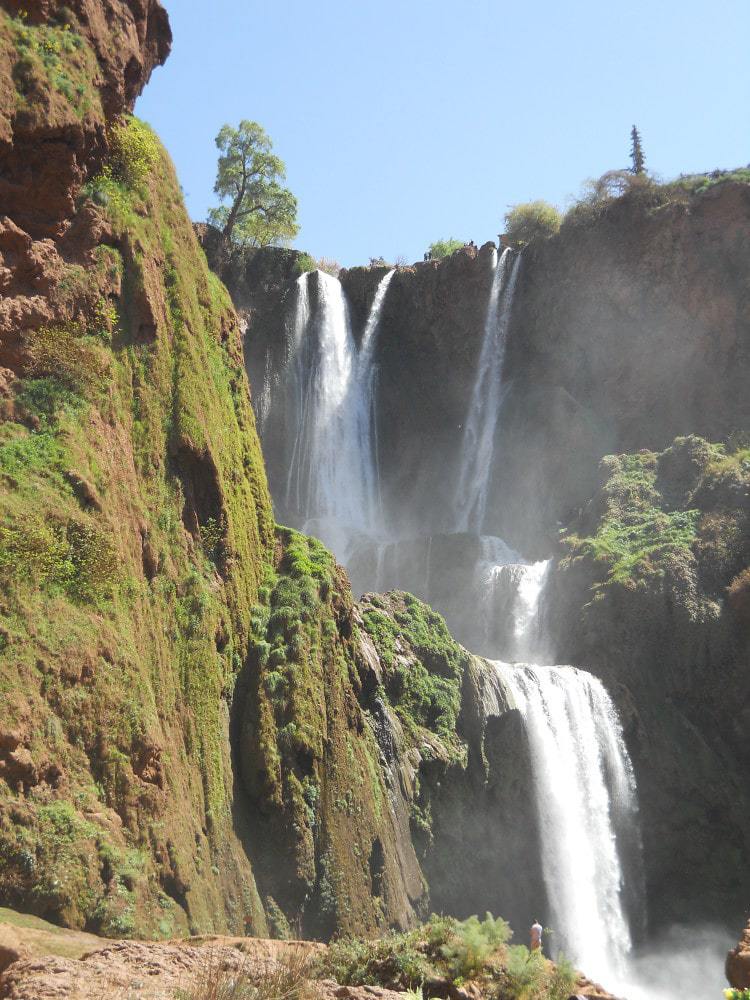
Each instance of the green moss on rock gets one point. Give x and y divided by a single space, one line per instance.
653 509
423 663
135 531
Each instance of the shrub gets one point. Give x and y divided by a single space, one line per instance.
442 948
134 151
47 397
65 353
229 974
305 262
474 941
525 972
393 960
738 593
532 220
75 557
615 186
443 248
329 265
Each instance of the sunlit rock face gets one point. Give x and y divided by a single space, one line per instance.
628 331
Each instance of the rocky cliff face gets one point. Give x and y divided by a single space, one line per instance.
200 730
629 329
651 592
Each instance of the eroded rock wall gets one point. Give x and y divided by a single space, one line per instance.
651 593
144 766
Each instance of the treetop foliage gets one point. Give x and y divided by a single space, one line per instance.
258 210
443 248
637 157
531 220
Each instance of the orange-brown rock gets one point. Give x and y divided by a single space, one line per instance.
50 140
40 962
738 962
53 137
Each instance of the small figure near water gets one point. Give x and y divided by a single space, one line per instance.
536 936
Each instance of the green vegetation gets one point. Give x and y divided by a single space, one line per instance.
443 248
305 262
449 951
260 212
52 58
424 664
533 220
528 976
310 763
634 534
125 591
653 510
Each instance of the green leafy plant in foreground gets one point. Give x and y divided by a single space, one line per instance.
441 948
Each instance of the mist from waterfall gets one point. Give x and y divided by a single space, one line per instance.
332 481
478 445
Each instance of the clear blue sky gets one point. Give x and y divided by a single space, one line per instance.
404 121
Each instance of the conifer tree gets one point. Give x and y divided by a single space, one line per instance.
637 158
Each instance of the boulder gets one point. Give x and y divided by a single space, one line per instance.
738 962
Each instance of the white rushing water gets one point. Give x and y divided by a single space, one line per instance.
586 801
332 481
478 445
510 591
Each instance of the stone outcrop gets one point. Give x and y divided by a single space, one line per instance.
54 114
738 962
46 965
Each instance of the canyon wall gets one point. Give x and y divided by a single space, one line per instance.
630 329
180 718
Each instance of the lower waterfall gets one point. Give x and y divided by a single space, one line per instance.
586 802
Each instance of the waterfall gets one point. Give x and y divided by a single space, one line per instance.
516 586
586 802
364 398
332 483
478 443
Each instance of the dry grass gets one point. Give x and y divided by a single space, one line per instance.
232 975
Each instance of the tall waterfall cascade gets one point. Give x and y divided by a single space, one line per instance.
587 806
332 482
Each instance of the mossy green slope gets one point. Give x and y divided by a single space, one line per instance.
329 850
653 512
135 525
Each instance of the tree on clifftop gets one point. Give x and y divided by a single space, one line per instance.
259 211
637 157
